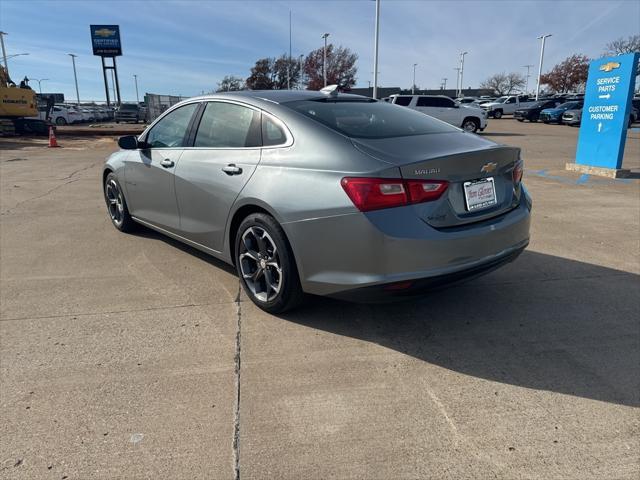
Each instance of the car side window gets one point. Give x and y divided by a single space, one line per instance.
227 125
447 102
511 100
404 101
171 130
272 134
426 102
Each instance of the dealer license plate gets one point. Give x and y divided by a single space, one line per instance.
480 194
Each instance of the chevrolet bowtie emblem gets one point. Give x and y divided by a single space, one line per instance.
105 32
607 67
488 167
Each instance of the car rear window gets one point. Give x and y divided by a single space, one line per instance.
369 118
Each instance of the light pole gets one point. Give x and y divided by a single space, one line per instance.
462 54
413 86
375 51
135 79
324 59
75 75
543 38
16 55
40 83
526 85
444 83
289 59
4 53
457 69
301 73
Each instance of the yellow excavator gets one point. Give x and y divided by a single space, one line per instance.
18 108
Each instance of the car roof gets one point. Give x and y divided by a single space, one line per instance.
273 96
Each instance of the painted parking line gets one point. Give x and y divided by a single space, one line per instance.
582 180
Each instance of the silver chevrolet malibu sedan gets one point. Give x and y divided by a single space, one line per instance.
324 193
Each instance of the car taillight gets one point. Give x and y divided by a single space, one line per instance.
518 171
377 193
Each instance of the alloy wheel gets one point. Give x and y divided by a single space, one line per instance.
115 202
260 264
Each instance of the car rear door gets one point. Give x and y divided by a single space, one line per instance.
149 172
223 155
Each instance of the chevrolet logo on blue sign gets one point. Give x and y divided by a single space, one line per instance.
106 40
606 111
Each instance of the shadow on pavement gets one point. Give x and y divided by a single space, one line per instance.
543 322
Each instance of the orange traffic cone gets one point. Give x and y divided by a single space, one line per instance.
53 143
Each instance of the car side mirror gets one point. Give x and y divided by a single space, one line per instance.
129 142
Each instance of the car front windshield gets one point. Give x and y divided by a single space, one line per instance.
568 105
369 118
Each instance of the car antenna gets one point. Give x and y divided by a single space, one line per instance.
330 90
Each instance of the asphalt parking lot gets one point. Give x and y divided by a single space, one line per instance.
132 356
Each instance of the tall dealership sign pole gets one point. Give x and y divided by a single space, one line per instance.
105 40
462 54
543 38
375 51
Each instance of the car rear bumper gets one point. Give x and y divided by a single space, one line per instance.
338 255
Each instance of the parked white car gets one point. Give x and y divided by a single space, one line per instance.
470 119
61 115
507 105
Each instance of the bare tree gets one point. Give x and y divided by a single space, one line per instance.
230 84
623 45
341 67
504 83
568 75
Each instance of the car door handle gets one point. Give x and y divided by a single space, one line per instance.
231 169
167 163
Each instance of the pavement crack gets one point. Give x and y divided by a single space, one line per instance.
236 419
69 179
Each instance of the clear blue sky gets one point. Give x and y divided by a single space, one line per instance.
184 47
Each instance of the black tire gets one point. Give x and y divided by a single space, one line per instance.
497 114
118 212
546 122
289 293
61 121
470 125
534 119
520 119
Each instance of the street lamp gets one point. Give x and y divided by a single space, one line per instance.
40 83
462 54
324 59
413 86
75 75
457 69
444 83
526 87
375 51
543 38
135 78
16 55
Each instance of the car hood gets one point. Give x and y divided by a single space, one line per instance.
553 111
490 104
577 111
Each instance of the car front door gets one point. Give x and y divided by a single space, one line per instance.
149 172
211 173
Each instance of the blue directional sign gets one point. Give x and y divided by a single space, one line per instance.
606 111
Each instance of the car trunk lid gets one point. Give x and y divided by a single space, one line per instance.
468 162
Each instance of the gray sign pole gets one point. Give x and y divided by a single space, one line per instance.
106 85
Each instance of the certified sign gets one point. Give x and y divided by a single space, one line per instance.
606 111
106 40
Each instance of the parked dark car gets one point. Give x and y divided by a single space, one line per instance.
532 113
128 112
554 115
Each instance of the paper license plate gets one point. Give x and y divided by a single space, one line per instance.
480 194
